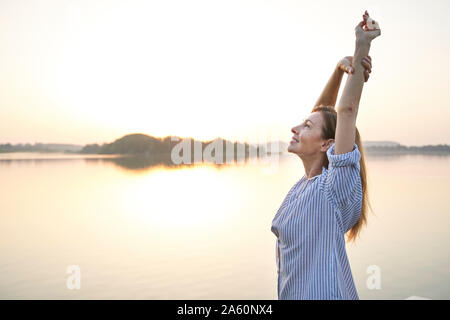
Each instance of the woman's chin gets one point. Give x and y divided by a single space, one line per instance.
291 148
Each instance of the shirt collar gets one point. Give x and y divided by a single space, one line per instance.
312 178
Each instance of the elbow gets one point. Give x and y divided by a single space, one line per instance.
348 109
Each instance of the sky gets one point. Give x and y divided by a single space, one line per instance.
246 70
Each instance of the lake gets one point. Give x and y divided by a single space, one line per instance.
139 231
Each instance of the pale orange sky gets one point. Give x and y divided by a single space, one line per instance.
92 71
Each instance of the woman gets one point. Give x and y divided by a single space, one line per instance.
331 198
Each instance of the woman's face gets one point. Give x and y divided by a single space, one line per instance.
307 139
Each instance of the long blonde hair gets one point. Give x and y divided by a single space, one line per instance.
328 132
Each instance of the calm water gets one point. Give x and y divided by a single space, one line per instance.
203 232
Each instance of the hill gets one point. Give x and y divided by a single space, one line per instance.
145 145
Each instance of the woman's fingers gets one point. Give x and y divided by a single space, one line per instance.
348 69
345 64
365 16
367 64
365 61
362 31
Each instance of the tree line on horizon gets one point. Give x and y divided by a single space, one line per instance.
142 144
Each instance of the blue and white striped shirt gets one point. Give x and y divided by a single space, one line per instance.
310 226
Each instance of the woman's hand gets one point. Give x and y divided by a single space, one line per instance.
371 30
345 65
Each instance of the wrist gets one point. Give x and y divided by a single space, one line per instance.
362 45
362 49
338 69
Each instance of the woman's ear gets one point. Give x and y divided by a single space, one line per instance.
327 144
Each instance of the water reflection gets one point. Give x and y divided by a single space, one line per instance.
131 162
139 228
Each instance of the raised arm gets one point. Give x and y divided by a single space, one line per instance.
347 109
329 94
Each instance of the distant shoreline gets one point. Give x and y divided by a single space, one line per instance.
137 144
368 151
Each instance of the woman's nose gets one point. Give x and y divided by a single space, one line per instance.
293 130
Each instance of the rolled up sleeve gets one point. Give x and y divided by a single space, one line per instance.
342 184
